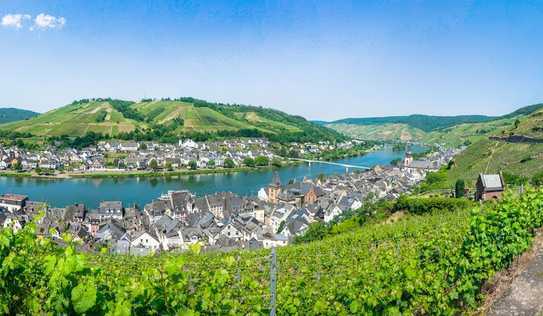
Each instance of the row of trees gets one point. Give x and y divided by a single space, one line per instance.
260 161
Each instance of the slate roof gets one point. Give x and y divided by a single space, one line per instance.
492 182
167 225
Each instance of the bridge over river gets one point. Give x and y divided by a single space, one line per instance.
347 166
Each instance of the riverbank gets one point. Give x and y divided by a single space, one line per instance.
142 173
117 173
141 187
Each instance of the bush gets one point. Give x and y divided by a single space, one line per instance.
513 179
229 163
249 162
537 179
262 161
416 205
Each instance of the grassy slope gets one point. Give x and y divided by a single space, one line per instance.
426 123
385 132
458 135
452 136
490 156
493 156
77 119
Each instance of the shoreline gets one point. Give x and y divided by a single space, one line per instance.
153 174
131 173
140 173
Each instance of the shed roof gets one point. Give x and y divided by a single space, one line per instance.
492 182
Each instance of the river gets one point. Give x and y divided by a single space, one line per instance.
130 190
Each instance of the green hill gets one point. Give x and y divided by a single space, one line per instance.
426 123
498 150
384 132
450 130
12 114
171 118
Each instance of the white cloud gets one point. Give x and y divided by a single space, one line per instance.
45 21
42 21
15 20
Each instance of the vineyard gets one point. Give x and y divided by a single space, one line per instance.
432 262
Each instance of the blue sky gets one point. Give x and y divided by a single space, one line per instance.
320 59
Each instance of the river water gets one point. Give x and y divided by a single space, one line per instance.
130 190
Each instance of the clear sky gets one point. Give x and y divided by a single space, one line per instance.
320 59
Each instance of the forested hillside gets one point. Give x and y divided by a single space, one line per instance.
168 119
12 114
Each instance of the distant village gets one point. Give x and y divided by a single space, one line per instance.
129 156
221 221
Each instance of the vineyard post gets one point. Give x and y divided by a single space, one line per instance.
273 282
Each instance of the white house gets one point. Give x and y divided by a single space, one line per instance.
188 144
129 146
145 240
271 240
13 202
331 213
13 223
232 232
262 195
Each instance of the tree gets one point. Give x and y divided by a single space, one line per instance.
17 166
193 165
169 166
143 146
153 164
517 123
262 161
211 163
249 162
459 188
229 163
293 153
281 227
537 179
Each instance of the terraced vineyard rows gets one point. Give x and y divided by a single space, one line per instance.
433 263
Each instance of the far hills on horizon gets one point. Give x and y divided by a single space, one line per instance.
11 114
429 123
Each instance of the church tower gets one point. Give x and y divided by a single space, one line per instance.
274 188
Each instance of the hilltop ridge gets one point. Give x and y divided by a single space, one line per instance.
150 118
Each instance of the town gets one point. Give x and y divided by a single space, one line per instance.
123 156
220 221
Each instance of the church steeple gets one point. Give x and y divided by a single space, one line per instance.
276 181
